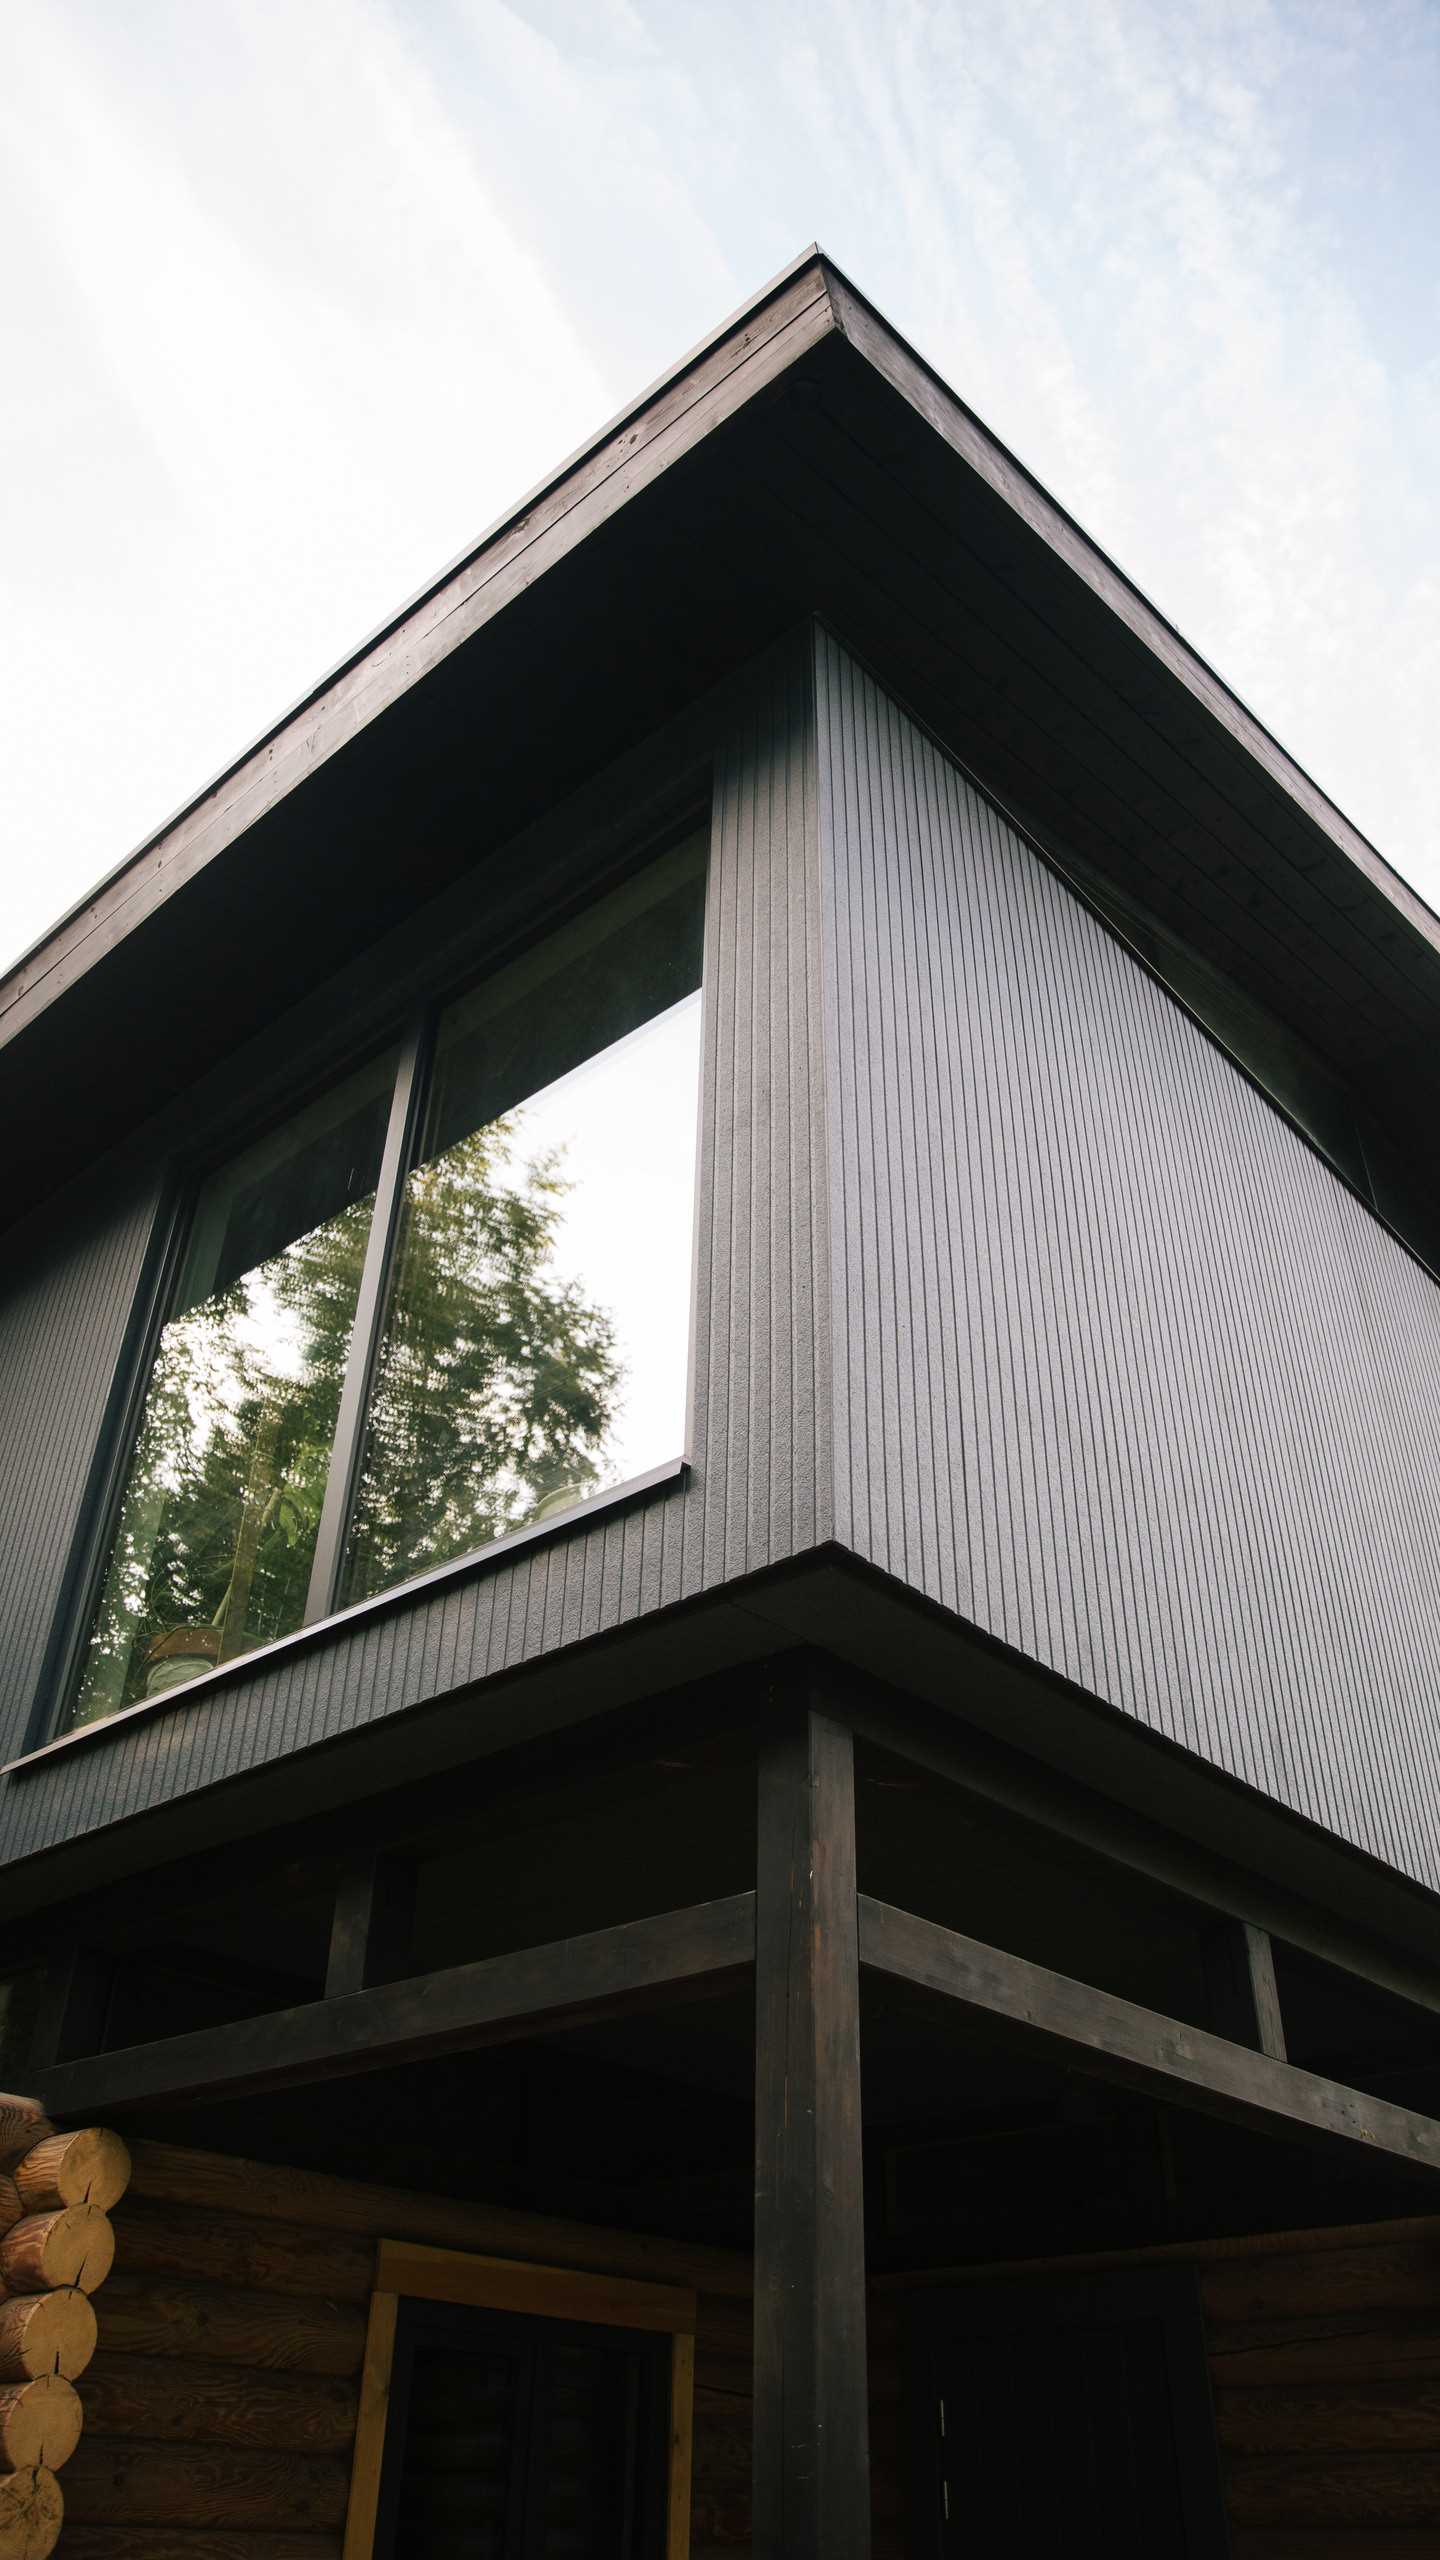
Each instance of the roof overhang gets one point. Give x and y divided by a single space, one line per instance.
802 460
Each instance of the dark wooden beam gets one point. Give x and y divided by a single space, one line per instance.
1092 2031
972 1761
372 1926
74 2004
1244 1995
811 2482
492 2001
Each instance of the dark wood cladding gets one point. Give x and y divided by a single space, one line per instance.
1123 1373
65 1312
759 1448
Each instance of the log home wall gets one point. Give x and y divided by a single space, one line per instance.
220 2408
221 2404
1324 2356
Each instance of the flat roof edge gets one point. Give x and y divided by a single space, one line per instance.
62 955
19 975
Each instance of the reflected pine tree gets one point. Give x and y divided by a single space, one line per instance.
497 1383
495 1389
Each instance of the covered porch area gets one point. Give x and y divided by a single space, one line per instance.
807 2129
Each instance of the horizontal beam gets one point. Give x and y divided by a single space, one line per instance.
1092 2031
1082 1814
492 2001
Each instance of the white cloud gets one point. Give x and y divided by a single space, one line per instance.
301 298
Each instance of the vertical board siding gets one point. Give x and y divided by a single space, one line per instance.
65 1309
1123 1373
758 1490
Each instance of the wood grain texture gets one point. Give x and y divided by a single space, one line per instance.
176 2400
555 2293
32 2510
1334 2489
46 2333
1092 2030
222 2323
89 2167
112 2482
214 2183
268 2257
495 1998
1394 2275
1350 2417
39 2423
811 2454
119 2542
74 2245
681 2447
373 2417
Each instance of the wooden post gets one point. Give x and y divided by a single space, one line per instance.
372 1929
811 2458
78 1985
1245 2002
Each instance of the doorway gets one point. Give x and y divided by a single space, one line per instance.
1074 2416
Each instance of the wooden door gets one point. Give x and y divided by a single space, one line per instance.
1047 2418
510 2438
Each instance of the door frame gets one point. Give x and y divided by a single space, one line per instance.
407 2271
1169 2297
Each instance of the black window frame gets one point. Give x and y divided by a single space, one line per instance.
410 1032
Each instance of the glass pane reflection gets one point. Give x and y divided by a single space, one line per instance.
537 1339
217 1528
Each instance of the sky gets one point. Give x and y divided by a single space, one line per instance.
298 298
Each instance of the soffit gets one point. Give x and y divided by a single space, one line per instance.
803 460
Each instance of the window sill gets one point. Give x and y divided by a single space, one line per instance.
617 1497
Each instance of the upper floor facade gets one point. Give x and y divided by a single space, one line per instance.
774 1063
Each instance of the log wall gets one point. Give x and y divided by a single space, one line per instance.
220 2406
1324 2356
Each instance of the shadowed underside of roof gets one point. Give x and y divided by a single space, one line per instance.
801 460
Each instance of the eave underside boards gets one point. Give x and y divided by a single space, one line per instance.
794 470
758 1489
1124 1374
1149 663
980 627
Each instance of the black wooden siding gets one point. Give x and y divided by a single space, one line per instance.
65 1311
758 1489
1123 1373
1005 1278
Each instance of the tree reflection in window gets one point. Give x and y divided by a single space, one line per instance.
537 1340
217 1529
534 1341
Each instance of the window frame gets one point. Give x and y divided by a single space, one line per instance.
410 1031
408 2271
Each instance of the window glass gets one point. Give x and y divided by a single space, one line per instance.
217 1527
536 1346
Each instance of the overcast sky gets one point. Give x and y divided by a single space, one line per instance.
301 293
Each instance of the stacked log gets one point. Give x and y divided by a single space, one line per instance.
56 2246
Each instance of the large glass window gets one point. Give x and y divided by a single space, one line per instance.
538 1331
530 1345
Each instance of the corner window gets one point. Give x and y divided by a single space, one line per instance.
448 1301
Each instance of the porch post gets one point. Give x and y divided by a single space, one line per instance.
811 2461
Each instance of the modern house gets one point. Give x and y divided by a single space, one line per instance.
721 1566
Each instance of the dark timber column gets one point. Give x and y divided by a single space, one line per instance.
812 2459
